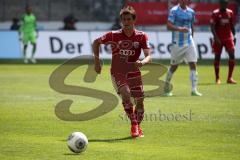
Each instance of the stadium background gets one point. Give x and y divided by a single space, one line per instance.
94 18
180 127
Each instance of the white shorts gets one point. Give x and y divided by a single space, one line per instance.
187 53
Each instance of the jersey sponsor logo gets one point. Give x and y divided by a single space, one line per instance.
224 21
127 52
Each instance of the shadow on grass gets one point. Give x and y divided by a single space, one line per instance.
113 140
110 140
211 84
71 154
206 84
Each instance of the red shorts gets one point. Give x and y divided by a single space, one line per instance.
228 44
133 80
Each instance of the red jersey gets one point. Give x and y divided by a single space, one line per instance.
223 21
125 50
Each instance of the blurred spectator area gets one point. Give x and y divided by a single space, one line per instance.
56 10
91 14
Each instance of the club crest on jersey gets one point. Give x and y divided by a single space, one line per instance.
136 45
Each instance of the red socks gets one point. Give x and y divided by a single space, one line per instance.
128 107
136 116
139 115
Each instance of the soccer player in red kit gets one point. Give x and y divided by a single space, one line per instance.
223 31
126 45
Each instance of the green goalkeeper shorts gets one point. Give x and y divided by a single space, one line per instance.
29 37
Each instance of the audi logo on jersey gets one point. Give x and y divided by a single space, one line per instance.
126 52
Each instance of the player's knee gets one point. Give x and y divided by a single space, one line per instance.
173 68
231 56
192 65
139 104
217 58
125 93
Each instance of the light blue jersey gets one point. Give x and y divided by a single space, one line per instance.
182 18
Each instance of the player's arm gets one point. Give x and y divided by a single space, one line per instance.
213 30
105 39
233 29
170 23
172 27
234 33
192 24
20 30
147 59
146 50
95 46
215 36
36 29
35 24
192 30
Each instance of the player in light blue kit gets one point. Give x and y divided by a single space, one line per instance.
180 22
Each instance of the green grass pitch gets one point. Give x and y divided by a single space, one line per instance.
208 129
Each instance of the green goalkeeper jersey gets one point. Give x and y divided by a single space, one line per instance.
28 24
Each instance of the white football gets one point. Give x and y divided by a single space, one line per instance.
77 142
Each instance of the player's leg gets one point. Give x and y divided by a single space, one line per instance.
231 62
217 67
134 81
217 50
25 60
120 84
124 91
34 46
191 57
170 72
25 45
168 79
139 112
231 65
194 78
177 55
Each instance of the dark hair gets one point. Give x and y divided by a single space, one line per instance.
223 1
128 10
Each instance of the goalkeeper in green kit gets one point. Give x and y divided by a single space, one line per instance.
28 31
